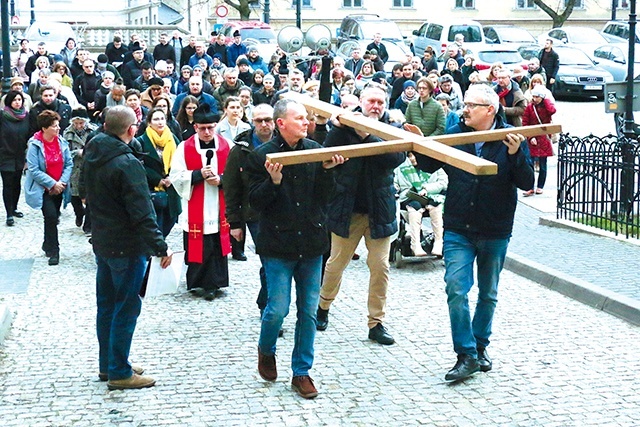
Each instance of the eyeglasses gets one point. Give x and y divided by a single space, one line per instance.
472 105
265 120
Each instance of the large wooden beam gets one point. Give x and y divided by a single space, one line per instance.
439 148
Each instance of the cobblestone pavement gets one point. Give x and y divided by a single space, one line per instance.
557 362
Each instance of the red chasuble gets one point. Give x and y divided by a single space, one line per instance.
193 160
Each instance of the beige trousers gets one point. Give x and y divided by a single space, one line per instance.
342 249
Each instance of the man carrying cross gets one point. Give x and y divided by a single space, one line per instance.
478 220
364 205
196 170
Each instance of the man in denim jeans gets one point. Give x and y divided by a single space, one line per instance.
478 220
293 236
125 233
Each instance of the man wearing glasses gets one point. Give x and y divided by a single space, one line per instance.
478 220
236 183
196 173
125 233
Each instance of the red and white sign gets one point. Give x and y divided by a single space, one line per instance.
222 11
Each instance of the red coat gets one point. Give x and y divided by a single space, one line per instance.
545 110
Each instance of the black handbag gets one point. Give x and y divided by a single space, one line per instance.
160 200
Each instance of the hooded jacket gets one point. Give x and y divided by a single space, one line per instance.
123 221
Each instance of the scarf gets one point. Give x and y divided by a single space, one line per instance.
502 95
14 115
406 99
53 158
138 112
165 142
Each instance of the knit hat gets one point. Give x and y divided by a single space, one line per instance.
252 48
540 91
197 67
79 113
103 59
236 33
203 114
283 70
156 81
217 55
445 78
409 83
186 67
379 77
243 61
373 52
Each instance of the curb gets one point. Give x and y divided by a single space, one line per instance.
571 225
5 322
578 289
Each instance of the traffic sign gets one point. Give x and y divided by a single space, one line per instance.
222 11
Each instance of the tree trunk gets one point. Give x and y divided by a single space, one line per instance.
242 6
558 18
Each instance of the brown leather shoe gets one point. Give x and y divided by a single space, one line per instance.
137 369
133 382
267 366
303 385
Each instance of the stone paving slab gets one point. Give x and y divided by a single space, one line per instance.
556 361
14 275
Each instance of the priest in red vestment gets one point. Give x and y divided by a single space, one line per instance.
196 173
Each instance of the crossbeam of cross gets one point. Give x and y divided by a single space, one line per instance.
440 147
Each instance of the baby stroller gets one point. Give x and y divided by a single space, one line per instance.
401 244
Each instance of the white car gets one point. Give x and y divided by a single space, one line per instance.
54 34
584 38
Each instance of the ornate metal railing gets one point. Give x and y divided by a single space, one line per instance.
599 182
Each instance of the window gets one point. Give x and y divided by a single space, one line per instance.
402 3
466 4
303 3
525 4
579 4
351 3
623 4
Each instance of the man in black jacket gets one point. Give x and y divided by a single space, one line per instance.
550 62
379 47
292 238
478 219
163 50
49 101
125 233
30 67
364 205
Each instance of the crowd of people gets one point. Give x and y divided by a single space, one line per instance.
182 134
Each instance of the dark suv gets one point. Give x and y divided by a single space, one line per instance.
364 26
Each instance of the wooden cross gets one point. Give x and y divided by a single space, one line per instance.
396 140
194 231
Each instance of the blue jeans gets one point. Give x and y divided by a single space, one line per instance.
459 254
280 273
118 283
254 229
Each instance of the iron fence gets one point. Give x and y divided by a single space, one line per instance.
599 182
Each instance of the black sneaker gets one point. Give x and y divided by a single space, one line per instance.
54 259
322 319
379 334
464 367
484 361
10 221
18 214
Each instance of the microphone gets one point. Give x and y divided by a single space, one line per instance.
209 155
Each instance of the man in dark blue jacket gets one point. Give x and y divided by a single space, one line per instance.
478 219
125 233
292 202
364 205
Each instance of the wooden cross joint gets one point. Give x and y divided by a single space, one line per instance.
440 147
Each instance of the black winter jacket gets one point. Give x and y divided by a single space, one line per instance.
236 182
123 221
483 206
367 180
292 214
13 144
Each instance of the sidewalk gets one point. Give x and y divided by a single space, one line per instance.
599 271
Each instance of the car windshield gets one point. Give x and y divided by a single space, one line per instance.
516 35
587 36
506 57
264 35
573 57
472 34
49 33
388 29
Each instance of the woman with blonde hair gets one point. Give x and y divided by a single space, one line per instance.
62 69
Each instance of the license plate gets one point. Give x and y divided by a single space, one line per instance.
593 87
